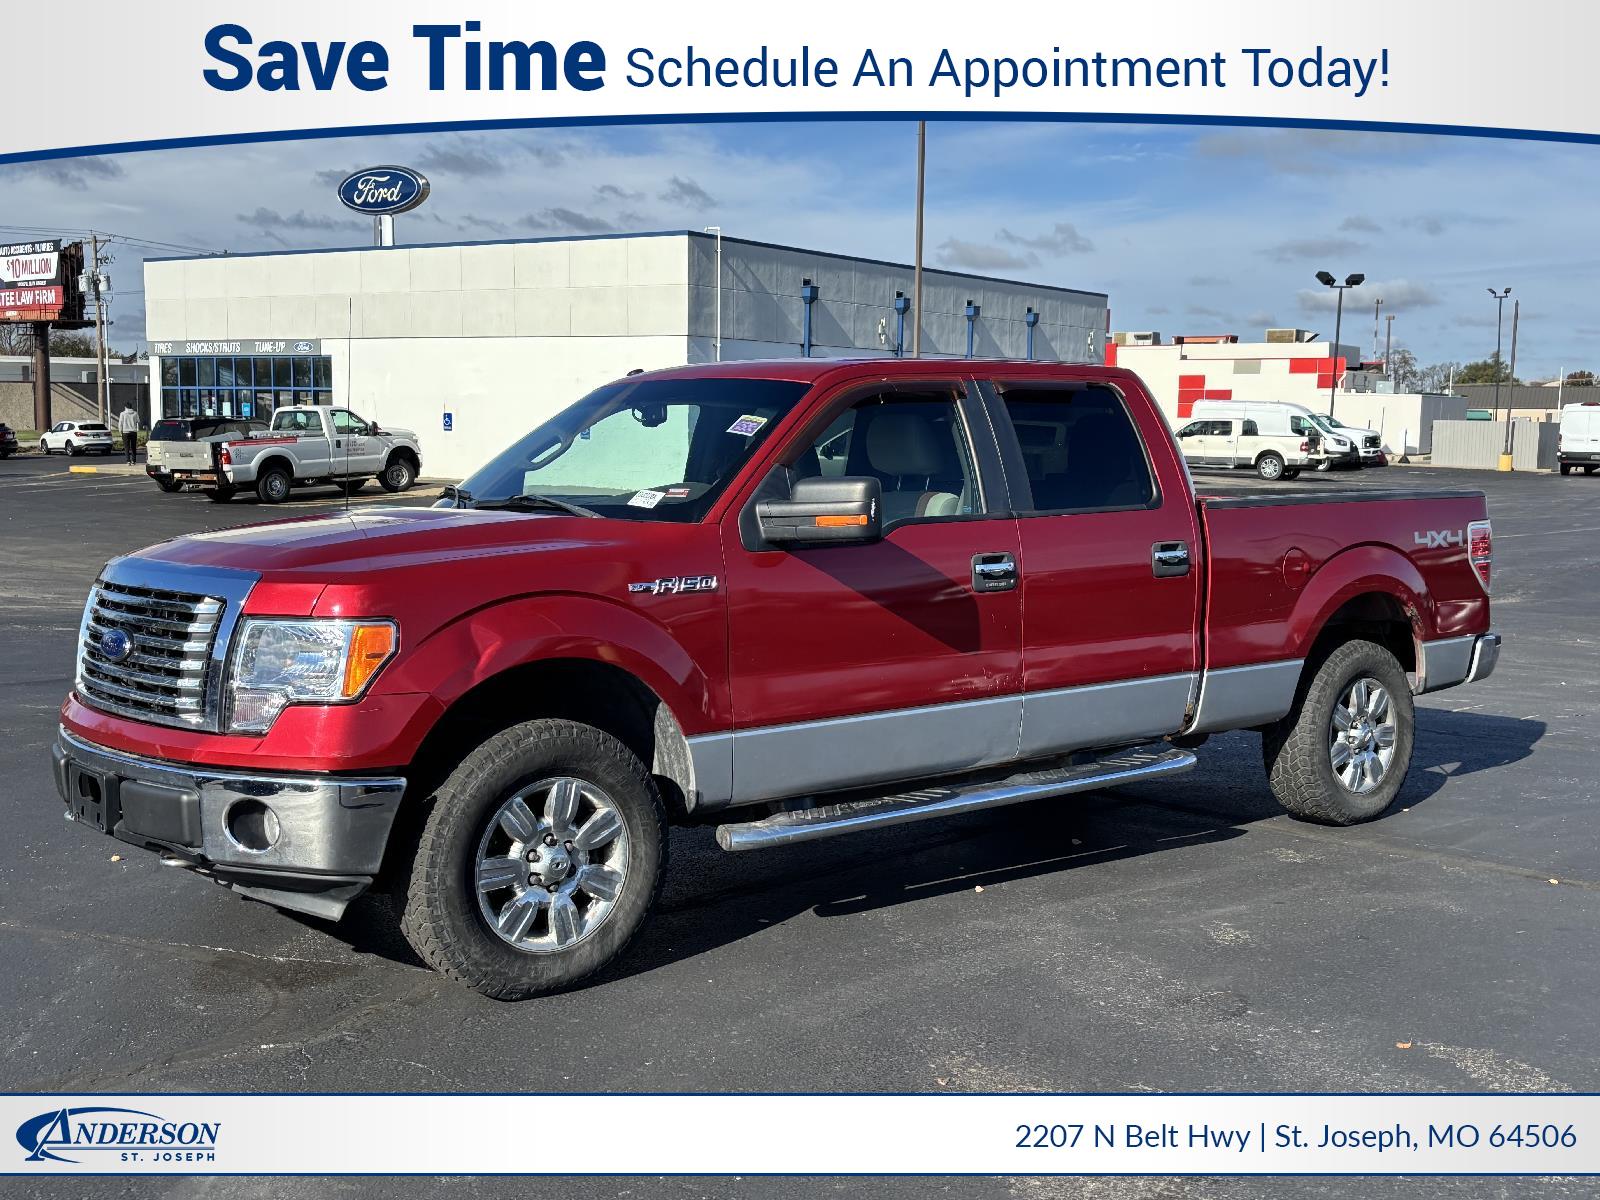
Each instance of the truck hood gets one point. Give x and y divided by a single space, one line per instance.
339 545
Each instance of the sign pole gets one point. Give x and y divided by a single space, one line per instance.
41 376
102 392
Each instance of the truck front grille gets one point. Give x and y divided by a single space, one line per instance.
1373 441
165 674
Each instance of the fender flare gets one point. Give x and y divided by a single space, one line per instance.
484 643
1370 568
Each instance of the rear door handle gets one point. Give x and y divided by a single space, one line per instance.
993 572
1169 559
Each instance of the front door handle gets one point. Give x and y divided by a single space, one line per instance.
1169 559
993 572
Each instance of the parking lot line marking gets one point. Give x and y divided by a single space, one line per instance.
1550 532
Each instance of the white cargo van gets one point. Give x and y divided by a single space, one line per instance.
1228 442
1329 446
1579 444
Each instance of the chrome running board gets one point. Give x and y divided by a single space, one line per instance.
830 820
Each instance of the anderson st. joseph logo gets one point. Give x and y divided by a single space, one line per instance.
133 1136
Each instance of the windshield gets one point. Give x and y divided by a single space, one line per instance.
647 450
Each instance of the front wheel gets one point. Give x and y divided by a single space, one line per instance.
541 856
399 475
1342 753
1270 466
1291 473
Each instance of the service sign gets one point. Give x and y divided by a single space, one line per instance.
383 191
30 262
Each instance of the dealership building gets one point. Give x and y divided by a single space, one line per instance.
471 344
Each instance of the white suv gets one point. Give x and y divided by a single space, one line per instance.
76 437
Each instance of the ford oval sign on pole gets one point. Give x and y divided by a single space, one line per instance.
381 192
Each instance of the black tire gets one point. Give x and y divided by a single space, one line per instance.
274 485
168 485
1291 473
440 915
1590 470
72 451
1297 750
220 495
1270 466
1324 464
350 486
398 474
1566 468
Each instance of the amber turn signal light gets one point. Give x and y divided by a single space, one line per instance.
841 522
370 648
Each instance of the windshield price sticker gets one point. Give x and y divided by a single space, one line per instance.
646 499
746 426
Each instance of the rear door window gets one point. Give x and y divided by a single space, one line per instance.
1081 449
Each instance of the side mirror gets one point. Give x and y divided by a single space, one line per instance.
824 511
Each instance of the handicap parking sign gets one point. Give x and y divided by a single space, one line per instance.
449 421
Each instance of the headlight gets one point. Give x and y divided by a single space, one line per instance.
278 662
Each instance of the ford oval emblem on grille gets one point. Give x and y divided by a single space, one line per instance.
115 645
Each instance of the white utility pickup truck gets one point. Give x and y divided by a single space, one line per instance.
317 444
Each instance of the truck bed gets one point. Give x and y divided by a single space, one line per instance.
1279 563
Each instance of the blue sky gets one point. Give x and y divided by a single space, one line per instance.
1190 230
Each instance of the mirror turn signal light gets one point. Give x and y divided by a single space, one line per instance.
842 522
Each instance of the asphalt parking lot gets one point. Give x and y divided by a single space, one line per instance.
1164 937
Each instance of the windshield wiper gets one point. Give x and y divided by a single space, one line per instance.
529 500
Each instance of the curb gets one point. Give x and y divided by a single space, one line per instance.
84 470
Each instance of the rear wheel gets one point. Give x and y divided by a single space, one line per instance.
350 486
273 485
539 859
1342 754
1291 473
1270 466
169 485
72 450
398 475
220 495
1590 470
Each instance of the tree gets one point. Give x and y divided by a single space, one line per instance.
17 338
1436 377
71 345
1487 370
1580 379
1402 369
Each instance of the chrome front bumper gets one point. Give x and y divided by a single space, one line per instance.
330 830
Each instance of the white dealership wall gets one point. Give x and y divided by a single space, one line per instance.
503 334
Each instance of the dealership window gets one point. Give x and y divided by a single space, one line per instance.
240 386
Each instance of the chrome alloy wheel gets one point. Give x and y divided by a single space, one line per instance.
1361 736
551 864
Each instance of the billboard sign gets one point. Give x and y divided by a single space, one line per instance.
23 263
31 303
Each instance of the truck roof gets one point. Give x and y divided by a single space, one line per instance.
812 370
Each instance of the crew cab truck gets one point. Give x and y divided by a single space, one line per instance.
316 444
793 600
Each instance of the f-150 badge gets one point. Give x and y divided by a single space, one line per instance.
675 584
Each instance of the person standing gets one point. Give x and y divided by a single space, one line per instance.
128 424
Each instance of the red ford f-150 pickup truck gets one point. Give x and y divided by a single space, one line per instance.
791 599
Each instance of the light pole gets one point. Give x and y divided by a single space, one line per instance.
916 277
1377 307
1326 279
1499 312
1388 343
